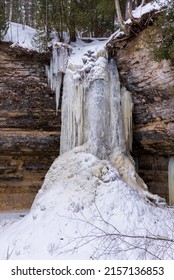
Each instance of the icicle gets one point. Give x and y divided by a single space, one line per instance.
58 65
127 106
116 125
171 180
72 132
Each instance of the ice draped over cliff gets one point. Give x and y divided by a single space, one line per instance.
96 110
91 111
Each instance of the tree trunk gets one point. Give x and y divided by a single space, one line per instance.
119 14
120 17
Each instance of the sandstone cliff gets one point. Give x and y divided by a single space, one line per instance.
152 85
29 127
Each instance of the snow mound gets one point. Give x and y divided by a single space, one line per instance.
20 35
85 211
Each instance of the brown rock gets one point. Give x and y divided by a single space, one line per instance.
29 127
152 85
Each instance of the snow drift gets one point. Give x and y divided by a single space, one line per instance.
85 211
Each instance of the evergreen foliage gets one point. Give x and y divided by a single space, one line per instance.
166 24
76 17
95 18
91 17
86 18
3 20
40 40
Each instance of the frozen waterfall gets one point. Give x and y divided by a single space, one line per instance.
91 111
96 110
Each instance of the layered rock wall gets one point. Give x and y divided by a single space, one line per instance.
29 127
152 85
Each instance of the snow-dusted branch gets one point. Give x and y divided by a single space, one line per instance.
108 241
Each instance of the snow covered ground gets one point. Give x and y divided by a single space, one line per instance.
8 218
20 35
12 215
84 210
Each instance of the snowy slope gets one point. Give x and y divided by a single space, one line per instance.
20 35
82 212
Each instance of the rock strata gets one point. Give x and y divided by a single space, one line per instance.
152 85
29 127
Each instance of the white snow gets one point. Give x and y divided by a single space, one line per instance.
81 48
21 35
153 6
7 218
84 209
82 212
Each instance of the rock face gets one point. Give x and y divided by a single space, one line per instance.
152 85
29 127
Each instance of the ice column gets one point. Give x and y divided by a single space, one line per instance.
127 107
73 102
104 122
171 180
91 111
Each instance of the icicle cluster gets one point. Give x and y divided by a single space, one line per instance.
171 180
91 110
72 114
58 65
